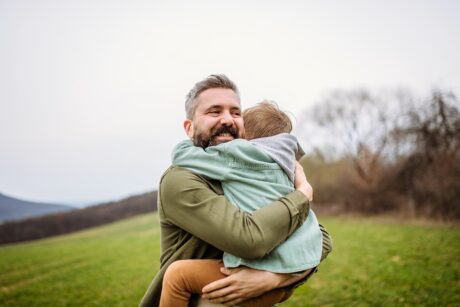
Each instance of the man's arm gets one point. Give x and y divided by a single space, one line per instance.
188 201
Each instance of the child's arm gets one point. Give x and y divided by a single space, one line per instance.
209 163
216 161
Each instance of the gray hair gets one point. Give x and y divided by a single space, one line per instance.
213 81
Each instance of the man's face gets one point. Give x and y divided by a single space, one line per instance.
217 118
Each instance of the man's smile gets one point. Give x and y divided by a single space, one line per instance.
224 137
223 134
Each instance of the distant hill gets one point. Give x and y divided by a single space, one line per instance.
69 221
15 209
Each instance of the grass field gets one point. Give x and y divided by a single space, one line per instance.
374 263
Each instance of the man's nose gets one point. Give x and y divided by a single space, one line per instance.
226 119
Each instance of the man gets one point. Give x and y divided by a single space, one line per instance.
198 222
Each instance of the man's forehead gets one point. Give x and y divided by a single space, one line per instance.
218 95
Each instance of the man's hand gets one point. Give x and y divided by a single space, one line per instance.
241 284
301 183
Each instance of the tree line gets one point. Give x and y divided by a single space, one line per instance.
385 152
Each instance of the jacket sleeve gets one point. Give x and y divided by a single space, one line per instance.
188 201
210 163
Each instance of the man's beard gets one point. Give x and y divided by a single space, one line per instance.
204 141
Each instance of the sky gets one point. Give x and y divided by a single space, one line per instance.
92 91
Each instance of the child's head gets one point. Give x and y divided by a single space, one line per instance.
265 119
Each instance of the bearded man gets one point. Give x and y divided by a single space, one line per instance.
198 222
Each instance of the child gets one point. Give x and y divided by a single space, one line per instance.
253 172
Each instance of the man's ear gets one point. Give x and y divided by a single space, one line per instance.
188 127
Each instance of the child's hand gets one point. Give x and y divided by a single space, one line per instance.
301 183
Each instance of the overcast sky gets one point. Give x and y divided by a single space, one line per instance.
92 92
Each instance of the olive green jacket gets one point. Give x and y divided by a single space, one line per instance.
198 222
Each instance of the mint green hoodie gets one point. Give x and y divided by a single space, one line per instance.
251 178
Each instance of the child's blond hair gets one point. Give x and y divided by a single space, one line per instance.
265 119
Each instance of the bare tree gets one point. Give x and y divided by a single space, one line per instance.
431 170
352 123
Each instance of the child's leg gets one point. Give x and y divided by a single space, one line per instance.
184 277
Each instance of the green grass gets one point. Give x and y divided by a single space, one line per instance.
373 263
378 264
